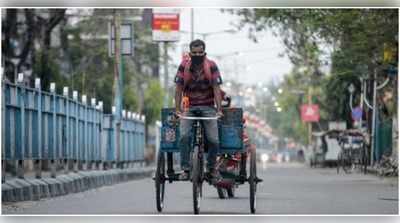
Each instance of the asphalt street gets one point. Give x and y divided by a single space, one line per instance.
287 189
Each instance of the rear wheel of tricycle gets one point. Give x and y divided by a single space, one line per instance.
196 179
231 192
160 181
253 181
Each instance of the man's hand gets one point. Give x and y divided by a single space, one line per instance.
220 114
178 113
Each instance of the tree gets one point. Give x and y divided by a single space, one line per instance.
356 37
154 98
22 30
79 58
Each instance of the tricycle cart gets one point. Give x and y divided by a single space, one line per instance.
230 128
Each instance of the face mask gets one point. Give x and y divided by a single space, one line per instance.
197 59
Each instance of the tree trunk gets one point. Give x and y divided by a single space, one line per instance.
9 31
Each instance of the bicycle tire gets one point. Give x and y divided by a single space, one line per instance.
221 193
160 182
347 163
252 182
196 180
231 192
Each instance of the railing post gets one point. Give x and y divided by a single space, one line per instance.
122 140
133 143
85 144
92 135
75 154
21 98
53 163
136 138
144 140
66 138
129 139
115 137
99 139
38 162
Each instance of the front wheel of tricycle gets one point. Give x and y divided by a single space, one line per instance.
253 181
196 179
160 181
221 193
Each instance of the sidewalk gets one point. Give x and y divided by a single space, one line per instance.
30 188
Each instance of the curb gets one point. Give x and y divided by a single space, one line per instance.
35 189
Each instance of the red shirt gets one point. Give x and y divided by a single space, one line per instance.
199 89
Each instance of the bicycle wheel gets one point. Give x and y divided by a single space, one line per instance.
160 181
365 158
221 193
339 162
360 160
231 192
347 163
196 179
252 182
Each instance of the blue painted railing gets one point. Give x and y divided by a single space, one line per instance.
38 125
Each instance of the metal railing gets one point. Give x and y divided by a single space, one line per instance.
46 127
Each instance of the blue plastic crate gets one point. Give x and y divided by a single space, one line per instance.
169 131
230 129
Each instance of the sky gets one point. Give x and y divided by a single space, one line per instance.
257 62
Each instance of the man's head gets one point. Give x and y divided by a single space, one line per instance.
197 51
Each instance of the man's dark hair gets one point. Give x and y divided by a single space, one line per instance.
197 43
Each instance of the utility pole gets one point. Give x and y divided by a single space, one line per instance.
117 65
373 131
117 80
191 24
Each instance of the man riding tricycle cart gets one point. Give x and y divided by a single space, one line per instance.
208 136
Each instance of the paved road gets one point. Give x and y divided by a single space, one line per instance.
287 189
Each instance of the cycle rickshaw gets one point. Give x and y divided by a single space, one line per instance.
353 152
230 129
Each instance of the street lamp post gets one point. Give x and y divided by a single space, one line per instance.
191 24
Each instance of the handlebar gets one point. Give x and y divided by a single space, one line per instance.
228 102
197 118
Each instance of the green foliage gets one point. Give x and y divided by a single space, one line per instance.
49 73
154 97
355 36
92 70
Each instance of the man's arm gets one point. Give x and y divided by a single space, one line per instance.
217 97
179 81
216 82
178 98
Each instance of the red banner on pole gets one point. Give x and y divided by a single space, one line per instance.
166 22
310 113
165 26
